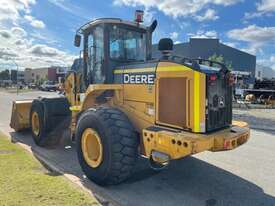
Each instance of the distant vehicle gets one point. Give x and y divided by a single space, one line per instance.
32 86
48 86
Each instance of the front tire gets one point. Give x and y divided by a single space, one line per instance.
37 123
113 159
43 133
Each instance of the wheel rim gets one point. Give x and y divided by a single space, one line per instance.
92 147
35 123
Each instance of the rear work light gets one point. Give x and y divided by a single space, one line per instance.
139 16
213 77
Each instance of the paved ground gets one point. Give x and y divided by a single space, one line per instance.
257 118
245 176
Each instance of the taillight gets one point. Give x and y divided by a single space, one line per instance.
213 77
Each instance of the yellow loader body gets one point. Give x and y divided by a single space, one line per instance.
176 145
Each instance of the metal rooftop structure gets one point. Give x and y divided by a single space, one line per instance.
108 21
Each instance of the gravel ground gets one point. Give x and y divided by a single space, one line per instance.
257 118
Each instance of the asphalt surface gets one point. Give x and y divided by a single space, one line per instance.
244 176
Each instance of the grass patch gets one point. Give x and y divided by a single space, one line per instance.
24 181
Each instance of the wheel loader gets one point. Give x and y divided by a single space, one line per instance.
120 103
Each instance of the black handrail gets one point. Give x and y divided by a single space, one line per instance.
185 60
211 63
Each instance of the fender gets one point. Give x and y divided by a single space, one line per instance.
95 94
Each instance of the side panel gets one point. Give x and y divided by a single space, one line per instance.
181 100
174 98
138 93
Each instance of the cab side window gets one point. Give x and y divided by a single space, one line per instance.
96 55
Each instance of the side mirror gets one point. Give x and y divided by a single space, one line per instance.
77 40
153 26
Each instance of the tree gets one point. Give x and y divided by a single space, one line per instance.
221 59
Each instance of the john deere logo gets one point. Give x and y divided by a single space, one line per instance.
138 78
221 101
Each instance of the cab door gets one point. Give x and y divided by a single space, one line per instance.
95 59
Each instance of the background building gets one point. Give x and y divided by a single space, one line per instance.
39 75
61 73
20 77
264 72
205 48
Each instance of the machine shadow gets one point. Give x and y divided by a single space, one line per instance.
190 181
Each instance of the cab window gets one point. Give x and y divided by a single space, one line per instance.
127 45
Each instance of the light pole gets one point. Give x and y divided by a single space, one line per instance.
16 73
16 76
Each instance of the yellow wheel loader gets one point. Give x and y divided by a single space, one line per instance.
120 103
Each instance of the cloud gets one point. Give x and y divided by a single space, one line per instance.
204 34
10 9
22 49
12 12
5 34
253 34
19 45
18 31
256 37
176 8
268 62
44 50
34 22
210 14
174 35
231 44
72 9
248 15
148 16
266 6
20 42
7 52
61 4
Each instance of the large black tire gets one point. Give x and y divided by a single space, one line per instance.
53 118
41 139
120 145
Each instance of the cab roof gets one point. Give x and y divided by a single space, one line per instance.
108 21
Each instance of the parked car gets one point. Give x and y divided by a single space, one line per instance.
48 86
32 86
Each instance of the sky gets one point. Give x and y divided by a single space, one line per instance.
40 33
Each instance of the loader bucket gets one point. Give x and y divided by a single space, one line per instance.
20 115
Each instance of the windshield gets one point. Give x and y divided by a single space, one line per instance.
127 44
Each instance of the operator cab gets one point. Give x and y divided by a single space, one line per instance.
112 42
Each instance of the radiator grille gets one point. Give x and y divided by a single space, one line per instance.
219 116
172 98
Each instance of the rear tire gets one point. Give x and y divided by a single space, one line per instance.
119 142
